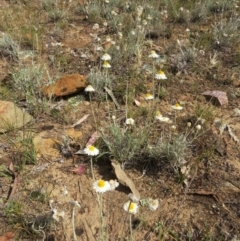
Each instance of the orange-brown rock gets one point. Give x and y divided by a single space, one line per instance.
66 85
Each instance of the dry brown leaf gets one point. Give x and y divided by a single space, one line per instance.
219 95
124 179
137 103
224 126
80 121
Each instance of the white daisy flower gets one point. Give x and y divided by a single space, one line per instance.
106 57
198 127
101 186
153 55
153 204
148 96
56 215
131 207
89 88
149 17
163 119
91 150
113 184
144 22
133 32
106 65
158 114
113 13
120 35
173 127
177 107
95 26
160 75
129 121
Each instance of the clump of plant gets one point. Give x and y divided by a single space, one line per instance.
9 47
28 82
98 80
13 212
173 149
55 10
182 15
219 6
205 114
23 149
125 144
199 12
185 55
226 32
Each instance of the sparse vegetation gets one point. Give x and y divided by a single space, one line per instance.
144 66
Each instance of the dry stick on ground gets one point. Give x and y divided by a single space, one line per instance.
113 97
15 181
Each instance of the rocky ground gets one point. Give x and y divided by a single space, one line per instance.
46 123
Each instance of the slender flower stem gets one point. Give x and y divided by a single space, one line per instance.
126 103
91 160
101 217
73 225
175 117
94 117
130 226
153 81
130 221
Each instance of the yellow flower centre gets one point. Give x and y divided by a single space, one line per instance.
105 63
153 52
131 207
91 148
158 113
177 105
101 183
161 72
148 95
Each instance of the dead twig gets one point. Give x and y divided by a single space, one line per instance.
15 181
113 97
